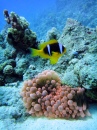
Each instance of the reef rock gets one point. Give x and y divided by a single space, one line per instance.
81 56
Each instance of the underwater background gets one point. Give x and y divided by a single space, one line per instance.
42 15
44 87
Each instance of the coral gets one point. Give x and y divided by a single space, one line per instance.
21 66
30 73
1 79
68 79
7 16
10 53
81 53
44 96
52 34
8 70
19 35
92 94
8 73
7 62
1 38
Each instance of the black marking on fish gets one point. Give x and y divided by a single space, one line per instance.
54 48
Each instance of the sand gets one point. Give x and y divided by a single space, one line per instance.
89 123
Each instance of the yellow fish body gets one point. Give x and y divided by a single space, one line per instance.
51 50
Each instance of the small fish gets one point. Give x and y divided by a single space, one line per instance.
51 50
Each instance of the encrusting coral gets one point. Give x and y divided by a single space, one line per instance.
44 96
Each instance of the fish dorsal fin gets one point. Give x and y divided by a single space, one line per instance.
44 44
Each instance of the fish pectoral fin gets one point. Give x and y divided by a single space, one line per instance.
56 54
54 58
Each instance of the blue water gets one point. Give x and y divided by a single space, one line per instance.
45 14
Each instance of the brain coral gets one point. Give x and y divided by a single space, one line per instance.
44 96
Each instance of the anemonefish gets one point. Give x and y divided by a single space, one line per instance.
51 50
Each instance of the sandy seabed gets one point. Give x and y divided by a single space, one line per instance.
88 123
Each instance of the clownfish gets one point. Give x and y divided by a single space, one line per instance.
51 50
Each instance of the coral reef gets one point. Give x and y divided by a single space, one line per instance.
79 63
80 43
12 70
44 96
10 102
8 70
1 38
52 34
21 65
49 97
77 67
19 34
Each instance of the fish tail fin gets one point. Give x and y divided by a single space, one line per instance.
34 52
